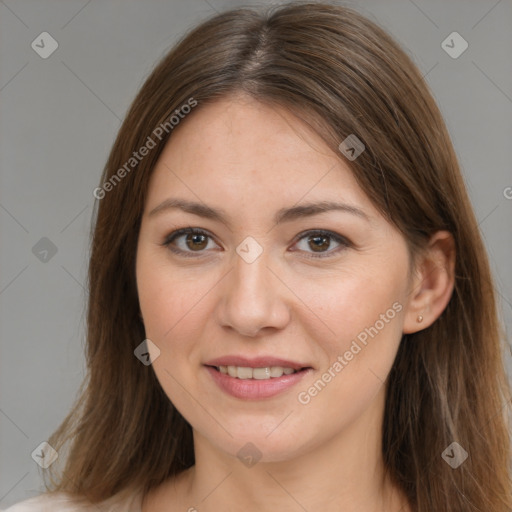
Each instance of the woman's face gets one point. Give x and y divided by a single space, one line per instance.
268 281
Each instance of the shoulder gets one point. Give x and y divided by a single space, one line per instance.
44 502
62 502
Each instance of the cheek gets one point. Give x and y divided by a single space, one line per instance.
365 312
341 306
175 310
341 392
172 311
167 301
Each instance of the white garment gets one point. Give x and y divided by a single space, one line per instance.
61 502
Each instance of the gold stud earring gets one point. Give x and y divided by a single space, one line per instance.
419 319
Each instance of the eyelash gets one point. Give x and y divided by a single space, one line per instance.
344 243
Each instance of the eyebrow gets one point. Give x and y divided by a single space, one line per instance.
283 215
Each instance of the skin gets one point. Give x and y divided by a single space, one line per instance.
251 160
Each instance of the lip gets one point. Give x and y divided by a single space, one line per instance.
254 389
256 362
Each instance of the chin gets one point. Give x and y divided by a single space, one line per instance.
257 445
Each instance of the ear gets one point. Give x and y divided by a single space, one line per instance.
432 284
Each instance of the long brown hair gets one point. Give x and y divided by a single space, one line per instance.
342 74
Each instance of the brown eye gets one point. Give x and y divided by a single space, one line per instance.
320 242
190 242
195 241
187 241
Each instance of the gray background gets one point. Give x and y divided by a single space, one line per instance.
59 117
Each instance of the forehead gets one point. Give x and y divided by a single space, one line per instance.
241 152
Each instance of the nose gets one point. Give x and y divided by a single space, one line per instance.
253 298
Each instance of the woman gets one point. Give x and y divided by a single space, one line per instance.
290 303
